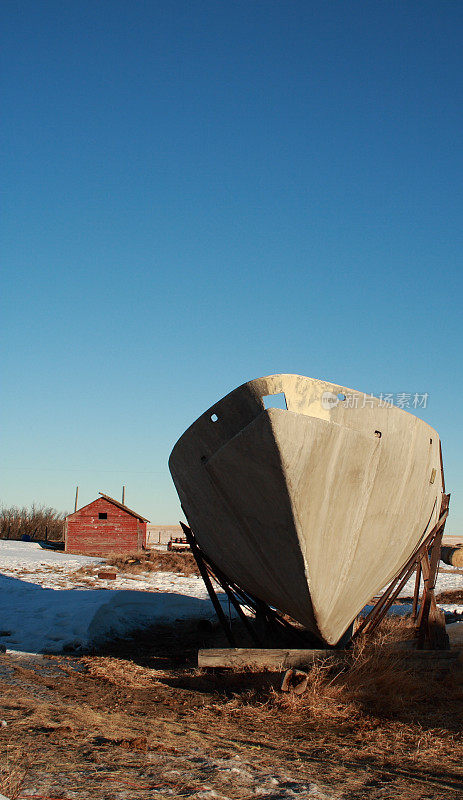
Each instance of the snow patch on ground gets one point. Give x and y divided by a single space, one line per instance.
202 777
42 613
446 581
18 555
235 772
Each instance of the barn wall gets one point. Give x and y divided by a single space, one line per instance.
119 533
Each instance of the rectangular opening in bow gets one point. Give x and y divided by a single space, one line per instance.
275 401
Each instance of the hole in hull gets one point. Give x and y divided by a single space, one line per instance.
277 400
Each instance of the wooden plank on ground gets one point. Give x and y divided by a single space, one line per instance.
279 660
451 571
262 658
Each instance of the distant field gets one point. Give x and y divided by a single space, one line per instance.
452 540
160 534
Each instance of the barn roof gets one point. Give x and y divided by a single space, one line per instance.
124 508
116 503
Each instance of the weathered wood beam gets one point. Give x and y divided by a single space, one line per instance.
279 660
431 620
207 581
263 658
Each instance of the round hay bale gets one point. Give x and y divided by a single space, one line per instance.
452 555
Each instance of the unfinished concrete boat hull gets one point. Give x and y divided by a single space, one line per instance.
313 508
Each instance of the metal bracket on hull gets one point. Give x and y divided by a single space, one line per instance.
268 621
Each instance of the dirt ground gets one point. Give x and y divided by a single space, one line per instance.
139 720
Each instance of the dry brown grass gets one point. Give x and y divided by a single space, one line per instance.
379 683
63 719
148 561
13 771
451 596
379 705
118 671
375 717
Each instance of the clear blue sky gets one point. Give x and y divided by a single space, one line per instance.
200 193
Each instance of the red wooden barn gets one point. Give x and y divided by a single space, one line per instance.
104 526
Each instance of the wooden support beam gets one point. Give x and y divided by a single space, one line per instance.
379 611
381 608
438 636
274 623
416 592
207 581
431 620
236 605
373 624
276 660
279 660
442 470
429 548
